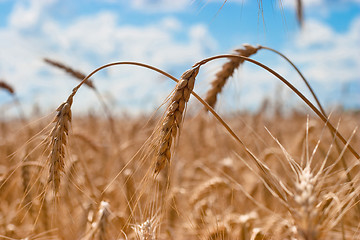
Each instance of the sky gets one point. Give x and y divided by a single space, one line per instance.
173 35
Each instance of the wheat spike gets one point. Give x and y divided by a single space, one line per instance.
227 71
58 142
7 87
76 74
305 197
173 118
145 231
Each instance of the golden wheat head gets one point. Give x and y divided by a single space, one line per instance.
58 142
173 117
7 87
76 74
227 71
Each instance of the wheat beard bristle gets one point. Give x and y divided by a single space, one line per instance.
227 71
58 142
173 118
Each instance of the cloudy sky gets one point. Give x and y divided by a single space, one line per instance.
173 35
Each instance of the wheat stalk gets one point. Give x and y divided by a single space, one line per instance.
226 72
25 176
287 83
130 190
170 125
99 226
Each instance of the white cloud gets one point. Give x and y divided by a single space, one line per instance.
324 55
160 5
314 33
305 3
90 42
328 56
156 6
156 42
27 14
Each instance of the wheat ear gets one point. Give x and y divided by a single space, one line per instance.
76 74
173 117
7 87
58 142
145 231
226 72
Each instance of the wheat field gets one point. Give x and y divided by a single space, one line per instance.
179 174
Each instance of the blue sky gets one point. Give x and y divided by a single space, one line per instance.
173 35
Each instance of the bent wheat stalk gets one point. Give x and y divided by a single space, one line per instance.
295 90
300 74
63 118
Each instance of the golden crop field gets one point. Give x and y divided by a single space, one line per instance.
242 176
181 174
